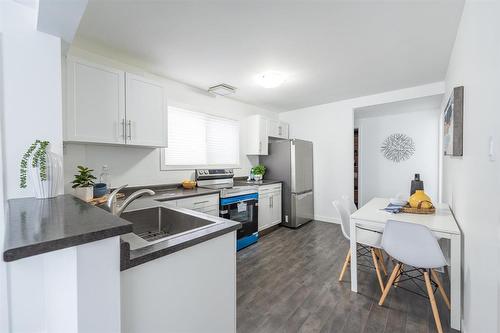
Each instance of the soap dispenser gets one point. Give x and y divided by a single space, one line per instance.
416 184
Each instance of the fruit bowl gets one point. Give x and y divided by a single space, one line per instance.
189 184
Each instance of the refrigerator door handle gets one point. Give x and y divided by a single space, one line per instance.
302 195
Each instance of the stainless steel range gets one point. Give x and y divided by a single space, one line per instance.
237 203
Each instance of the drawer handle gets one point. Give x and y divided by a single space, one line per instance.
200 202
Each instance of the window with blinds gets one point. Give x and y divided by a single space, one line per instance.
197 140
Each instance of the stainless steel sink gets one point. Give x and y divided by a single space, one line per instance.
160 223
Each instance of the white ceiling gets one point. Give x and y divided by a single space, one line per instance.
332 50
410 105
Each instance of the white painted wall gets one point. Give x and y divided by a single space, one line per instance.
330 128
379 177
32 98
30 105
4 309
141 166
471 184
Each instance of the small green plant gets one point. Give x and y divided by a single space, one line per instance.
259 170
84 179
38 150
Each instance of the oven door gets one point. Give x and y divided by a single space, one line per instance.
243 209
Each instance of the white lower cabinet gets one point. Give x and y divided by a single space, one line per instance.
208 204
269 205
191 290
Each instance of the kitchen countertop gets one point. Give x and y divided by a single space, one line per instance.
171 192
136 251
36 226
243 181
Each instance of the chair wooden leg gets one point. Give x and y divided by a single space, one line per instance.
377 269
346 263
433 302
382 261
396 282
440 287
388 285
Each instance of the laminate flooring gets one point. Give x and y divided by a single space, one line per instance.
288 282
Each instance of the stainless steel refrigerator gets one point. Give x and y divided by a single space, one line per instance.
291 161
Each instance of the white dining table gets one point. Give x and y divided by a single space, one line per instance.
442 224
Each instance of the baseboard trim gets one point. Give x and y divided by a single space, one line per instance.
327 219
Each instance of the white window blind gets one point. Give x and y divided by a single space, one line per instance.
199 140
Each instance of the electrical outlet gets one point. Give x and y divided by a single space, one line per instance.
491 151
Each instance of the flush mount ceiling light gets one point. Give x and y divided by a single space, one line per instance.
222 89
271 79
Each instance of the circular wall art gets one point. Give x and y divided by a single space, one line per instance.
397 147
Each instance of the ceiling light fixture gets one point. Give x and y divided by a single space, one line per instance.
271 79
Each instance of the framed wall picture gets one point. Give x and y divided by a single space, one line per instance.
453 130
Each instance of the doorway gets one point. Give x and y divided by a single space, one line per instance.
356 165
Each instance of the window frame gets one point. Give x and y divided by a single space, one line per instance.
165 167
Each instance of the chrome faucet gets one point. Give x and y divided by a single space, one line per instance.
111 205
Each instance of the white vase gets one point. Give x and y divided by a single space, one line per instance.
46 188
85 193
258 178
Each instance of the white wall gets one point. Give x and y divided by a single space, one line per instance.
141 166
380 177
330 128
4 309
471 184
31 89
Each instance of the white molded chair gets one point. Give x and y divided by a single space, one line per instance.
414 245
369 241
349 204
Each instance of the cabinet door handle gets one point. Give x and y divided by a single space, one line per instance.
272 201
260 147
129 130
124 129
279 131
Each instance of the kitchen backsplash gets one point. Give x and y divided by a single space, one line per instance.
128 165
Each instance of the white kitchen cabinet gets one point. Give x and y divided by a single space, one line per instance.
269 205
208 204
109 106
264 211
277 129
276 207
146 112
95 103
254 129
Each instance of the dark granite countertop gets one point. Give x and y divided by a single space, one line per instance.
171 191
136 251
36 226
243 181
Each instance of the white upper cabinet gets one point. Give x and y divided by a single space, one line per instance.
146 112
109 106
95 103
277 129
255 132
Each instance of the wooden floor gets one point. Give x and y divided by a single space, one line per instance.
288 282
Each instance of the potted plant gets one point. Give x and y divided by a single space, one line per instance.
43 167
258 172
84 183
